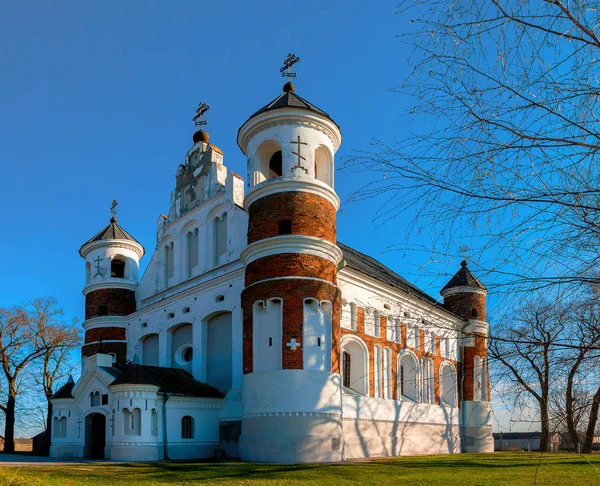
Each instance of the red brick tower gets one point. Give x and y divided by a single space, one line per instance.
112 266
291 302
465 295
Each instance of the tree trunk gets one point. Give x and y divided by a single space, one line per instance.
591 428
47 438
9 425
545 423
571 427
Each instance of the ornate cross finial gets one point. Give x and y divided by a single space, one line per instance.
202 108
463 249
287 65
113 207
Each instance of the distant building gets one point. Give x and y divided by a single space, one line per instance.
254 333
524 441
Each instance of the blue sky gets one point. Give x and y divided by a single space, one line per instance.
97 100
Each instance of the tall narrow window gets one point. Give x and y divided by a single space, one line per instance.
376 324
387 373
117 268
424 387
284 227
192 252
347 368
169 263
377 365
187 427
431 382
220 240
353 318
154 423
408 377
275 165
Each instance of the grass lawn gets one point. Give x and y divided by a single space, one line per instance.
458 469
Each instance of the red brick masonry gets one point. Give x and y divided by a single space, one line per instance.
119 302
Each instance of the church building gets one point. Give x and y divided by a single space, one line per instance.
255 334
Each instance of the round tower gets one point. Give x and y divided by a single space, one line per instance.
291 302
465 295
112 266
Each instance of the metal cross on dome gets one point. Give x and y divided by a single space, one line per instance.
113 207
287 65
202 108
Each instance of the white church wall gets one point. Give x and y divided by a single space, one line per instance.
195 305
266 323
219 351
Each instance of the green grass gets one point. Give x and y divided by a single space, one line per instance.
458 469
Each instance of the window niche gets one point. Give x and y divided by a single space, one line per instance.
187 427
117 268
284 227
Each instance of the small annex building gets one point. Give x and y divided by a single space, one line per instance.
254 334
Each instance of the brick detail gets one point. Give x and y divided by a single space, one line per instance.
120 350
480 349
309 214
292 292
397 348
290 265
118 302
105 334
463 305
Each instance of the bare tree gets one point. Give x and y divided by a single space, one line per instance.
508 162
27 334
529 356
57 339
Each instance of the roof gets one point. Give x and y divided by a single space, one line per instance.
517 435
371 267
464 278
65 391
169 380
112 232
289 99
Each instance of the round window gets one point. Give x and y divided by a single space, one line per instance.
184 354
188 354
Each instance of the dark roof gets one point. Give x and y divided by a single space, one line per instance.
289 99
169 380
65 390
112 232
369 266
464 278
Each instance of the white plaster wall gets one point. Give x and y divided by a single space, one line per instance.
195 304
100 270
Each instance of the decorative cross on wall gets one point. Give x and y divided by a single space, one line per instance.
299 155
99 270
293 344
202 108
287 66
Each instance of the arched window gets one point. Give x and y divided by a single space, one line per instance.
448 385
377 375
408 377
132 421
154 423
275 165
316 332
60 427
323 166
355 365
187 427
95 399
169 262
284 227
220 240
192 252
117 268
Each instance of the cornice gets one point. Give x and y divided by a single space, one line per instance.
301 244
108 284
292 184
288 116
105 321
128 244
463 290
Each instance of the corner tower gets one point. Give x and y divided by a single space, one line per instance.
291 302
465 295
112 269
